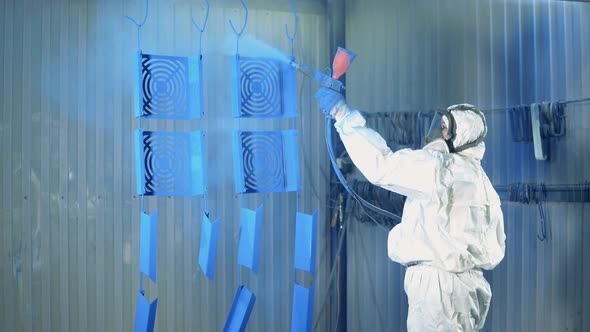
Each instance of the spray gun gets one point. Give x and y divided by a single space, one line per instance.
342 61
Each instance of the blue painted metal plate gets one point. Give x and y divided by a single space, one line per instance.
302 311
169 87
208 246
148 244
266 161
249 244
241 308
263 88
145 314
170 163
305 241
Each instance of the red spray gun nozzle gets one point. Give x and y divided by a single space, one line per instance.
342 61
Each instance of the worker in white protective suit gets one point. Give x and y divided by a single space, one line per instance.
452 225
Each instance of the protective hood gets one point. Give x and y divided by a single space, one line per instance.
470 127
463 124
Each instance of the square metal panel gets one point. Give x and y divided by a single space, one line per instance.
263 88
168 87
266 161
169 163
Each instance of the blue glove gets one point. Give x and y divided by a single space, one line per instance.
328 99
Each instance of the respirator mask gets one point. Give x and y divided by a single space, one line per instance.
443 135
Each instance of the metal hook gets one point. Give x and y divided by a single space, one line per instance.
239 34
139 25
201 29
292 39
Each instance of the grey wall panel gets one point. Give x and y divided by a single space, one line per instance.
69 216
426 55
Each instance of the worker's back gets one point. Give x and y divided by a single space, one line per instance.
459 226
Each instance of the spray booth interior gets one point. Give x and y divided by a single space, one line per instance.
165 165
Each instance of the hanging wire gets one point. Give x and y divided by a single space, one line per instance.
239 34
331 278
139 25
292 38
517 191
488 110
361 201
583 100
201 29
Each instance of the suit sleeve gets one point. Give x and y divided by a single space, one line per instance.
407 172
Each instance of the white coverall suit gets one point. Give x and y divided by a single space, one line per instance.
452 225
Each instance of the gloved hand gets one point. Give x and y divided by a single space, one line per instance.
332 103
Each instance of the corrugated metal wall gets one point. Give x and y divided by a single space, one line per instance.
422 55
69 219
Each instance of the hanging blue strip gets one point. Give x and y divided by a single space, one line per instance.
236 98
241 308
145 314
195 77
305 241
302 311
289 91
291 156
198 163
208 246
249 245
148 245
